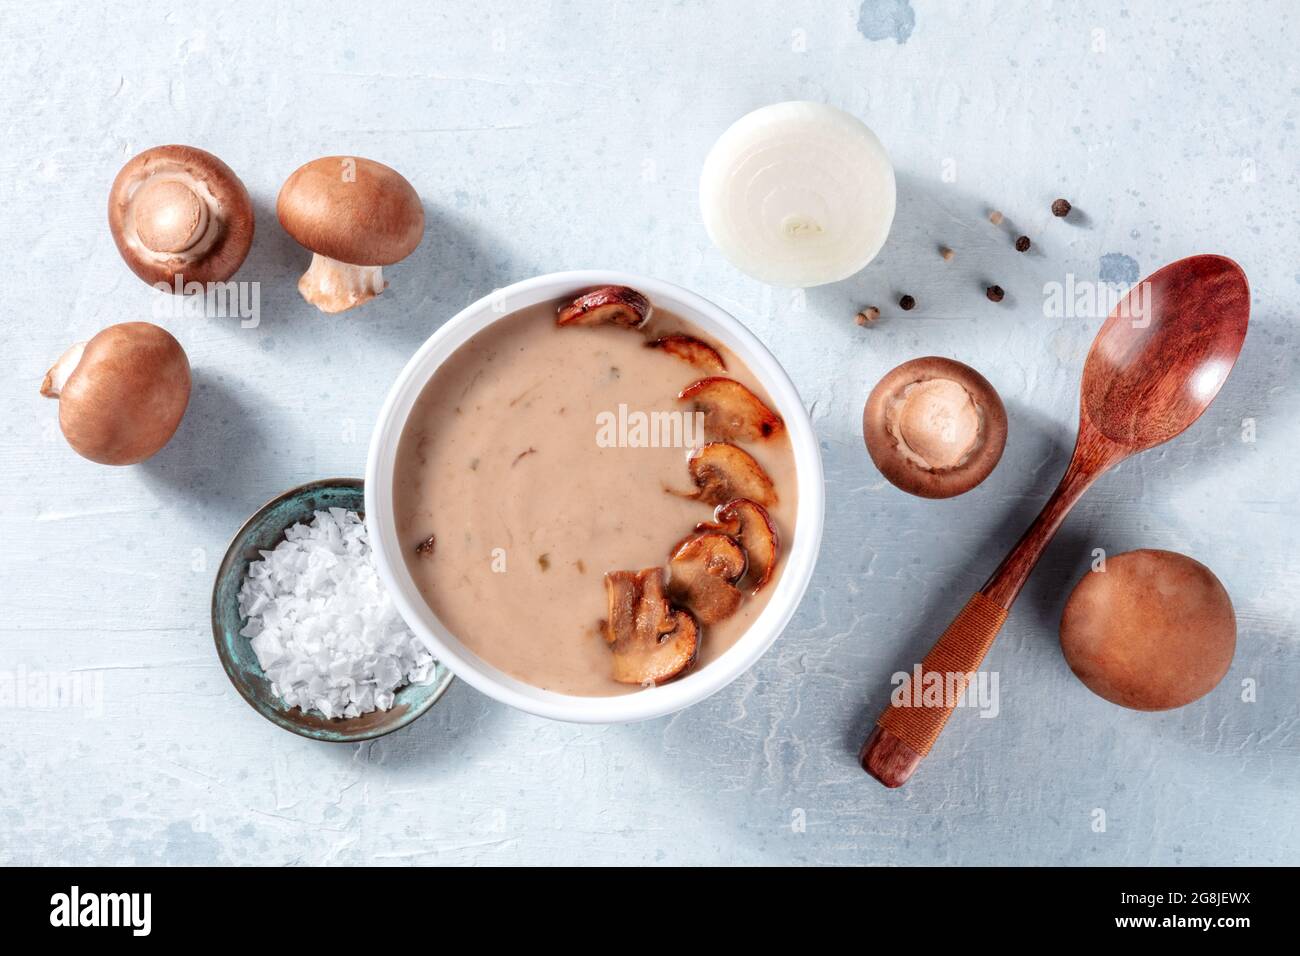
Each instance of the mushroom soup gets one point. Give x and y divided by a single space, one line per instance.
596 501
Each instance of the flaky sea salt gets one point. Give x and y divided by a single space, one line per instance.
321 624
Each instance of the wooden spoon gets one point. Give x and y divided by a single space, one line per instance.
1154 367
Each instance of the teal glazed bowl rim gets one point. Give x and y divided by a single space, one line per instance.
262 531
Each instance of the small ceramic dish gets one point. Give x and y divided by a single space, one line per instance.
262 532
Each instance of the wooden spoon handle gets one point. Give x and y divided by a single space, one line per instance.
904 734
921 705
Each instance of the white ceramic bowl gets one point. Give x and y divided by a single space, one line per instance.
468 666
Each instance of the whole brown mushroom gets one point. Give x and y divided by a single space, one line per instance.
934 427
179 215
355 216
1153 631
122 394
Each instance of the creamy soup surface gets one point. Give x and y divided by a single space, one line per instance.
503 463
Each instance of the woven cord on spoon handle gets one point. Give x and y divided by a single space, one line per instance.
947 668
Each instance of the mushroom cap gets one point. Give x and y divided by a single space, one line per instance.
703 573
353 210
162 198
731 410
1153 631
607 305
722 471
902 471
652 641
748 523
127 395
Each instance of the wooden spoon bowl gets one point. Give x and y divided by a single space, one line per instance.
1156 364
1164 353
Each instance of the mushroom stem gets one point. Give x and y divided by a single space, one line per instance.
334 286
170 218
57 376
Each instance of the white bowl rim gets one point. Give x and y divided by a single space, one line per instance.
478 673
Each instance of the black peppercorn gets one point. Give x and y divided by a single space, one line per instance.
907 303
1022 244
994 293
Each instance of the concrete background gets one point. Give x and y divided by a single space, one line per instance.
569 135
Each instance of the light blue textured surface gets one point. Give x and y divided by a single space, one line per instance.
571 135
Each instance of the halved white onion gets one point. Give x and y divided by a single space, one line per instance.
798 194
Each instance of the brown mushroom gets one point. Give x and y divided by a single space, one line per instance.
651 642
179 215
703 572
722 471
690 350
355 216
122 394
1153 631
934 427
731 411
608 305
748 523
